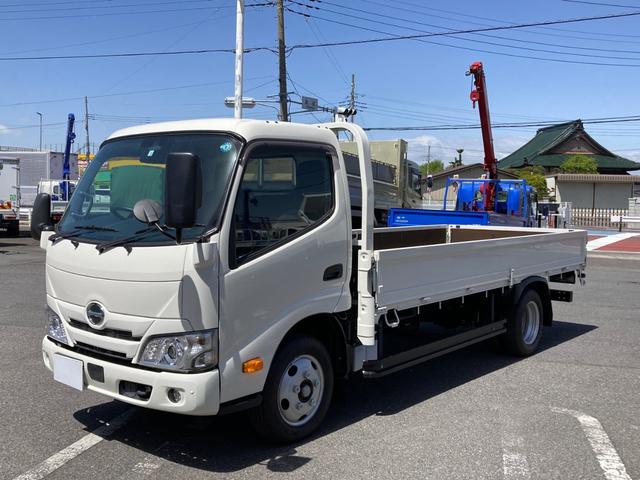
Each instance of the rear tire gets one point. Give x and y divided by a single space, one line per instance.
524 326
297 392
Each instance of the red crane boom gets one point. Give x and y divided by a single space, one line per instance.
479 94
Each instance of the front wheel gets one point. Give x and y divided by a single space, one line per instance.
297 392
524 327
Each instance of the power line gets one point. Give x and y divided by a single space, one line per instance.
634 118
333 61
420 38
529 32
140 12
21 127
135 92
602 4
361 42
466 15
104 40
104 5
415 22
133 54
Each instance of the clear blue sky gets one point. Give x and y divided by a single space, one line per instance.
399 83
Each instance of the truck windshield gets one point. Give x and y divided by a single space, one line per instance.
131 169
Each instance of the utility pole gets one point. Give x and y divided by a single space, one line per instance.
428 157
352 97
282 64
237 108
40 115
86 126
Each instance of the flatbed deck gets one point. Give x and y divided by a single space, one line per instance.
417 266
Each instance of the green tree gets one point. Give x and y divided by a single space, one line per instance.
435 166
579 164
534 176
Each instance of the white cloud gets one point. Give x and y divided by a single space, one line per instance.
444 148
630 154
4 130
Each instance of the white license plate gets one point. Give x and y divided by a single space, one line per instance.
68 371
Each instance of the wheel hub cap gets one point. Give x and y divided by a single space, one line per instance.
300 390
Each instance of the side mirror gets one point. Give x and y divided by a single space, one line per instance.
182 190
41 215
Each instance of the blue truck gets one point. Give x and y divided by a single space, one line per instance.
477 202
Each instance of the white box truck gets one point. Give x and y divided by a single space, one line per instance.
208 266
10 196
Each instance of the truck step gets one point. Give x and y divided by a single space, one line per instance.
414 356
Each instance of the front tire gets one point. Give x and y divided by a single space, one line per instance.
297 392
524 327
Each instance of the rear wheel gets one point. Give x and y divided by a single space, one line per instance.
524 327
297 393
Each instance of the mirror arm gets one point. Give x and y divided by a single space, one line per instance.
164 232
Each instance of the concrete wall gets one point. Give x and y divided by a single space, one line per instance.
603 195
634 207
440 182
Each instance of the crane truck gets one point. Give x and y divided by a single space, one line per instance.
220 271
53 195
485 201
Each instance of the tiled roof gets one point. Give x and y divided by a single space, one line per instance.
534 152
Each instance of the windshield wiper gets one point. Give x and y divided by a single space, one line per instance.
124 242
78 230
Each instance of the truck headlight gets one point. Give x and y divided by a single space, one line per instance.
185 353
55 327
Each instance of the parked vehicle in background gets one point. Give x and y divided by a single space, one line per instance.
209 266
397 182
10 196
56 191
513 203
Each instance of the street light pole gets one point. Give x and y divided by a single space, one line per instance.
237 110
40 115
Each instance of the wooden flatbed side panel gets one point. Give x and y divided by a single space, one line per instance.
407 277
390 238
470 234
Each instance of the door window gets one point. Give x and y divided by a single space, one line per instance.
284 191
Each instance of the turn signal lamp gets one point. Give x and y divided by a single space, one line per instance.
252 366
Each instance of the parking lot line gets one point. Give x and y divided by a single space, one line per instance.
607 456
57 460
514 462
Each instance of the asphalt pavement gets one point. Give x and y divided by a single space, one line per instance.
570 411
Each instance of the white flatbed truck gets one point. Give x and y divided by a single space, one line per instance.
217 270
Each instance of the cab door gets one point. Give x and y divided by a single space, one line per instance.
284 250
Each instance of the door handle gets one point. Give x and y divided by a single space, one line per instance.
333 272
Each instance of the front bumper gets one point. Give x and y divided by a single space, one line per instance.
201 390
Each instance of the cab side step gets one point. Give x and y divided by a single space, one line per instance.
414 356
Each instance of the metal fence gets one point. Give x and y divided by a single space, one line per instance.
598 217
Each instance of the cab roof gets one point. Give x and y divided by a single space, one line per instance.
247 129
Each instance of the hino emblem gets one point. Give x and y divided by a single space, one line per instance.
95 314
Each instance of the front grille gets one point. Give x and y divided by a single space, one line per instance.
94 351
108 332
